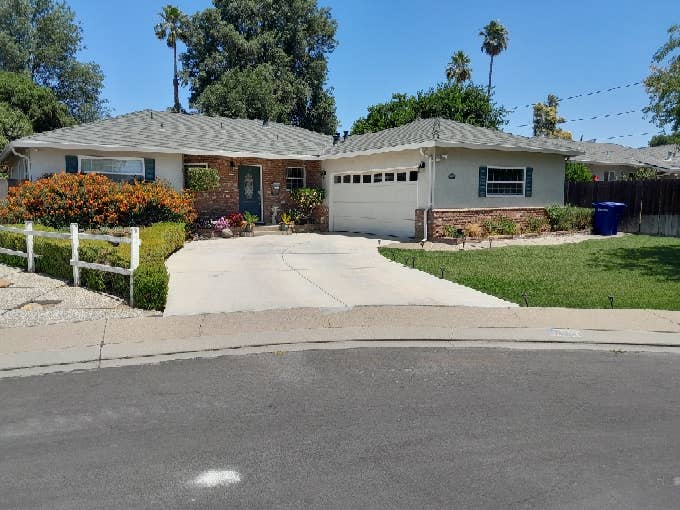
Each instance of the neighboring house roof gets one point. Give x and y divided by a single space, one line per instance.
669 154
167 132
616 155
442 133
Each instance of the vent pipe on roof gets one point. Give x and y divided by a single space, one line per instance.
336 138
345 136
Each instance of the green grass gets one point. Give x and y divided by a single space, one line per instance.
639 271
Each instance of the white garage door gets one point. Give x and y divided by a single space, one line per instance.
379 202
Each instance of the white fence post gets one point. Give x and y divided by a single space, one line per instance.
134 261
74 254
29 247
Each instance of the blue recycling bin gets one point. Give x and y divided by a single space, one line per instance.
607 215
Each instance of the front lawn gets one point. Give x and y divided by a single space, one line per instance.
639 271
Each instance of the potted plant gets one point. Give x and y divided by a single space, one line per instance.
235 223
287 222
250 220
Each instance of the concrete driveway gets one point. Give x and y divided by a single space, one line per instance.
302 270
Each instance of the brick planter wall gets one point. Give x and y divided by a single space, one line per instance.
224 200
459 218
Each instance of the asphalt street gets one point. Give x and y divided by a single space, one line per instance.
409 428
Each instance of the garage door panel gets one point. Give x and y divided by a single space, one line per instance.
383 209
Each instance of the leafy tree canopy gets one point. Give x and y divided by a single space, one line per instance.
26 108
265 58
42 38
575 171
663 84
643 174
463 103
673 138
546 119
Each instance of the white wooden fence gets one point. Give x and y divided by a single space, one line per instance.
74 236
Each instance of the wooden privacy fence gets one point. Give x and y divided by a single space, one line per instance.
75 237
653 206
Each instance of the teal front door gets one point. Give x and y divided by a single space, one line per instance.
250 190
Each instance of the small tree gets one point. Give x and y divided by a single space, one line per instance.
307 199
202 179
576 171
546 119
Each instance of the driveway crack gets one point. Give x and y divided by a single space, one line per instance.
309 280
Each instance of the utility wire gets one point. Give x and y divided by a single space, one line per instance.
605 116
583 94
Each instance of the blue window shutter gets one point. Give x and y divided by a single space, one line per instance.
529 182
149 169
71 165
482 181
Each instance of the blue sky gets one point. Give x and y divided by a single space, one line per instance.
388 46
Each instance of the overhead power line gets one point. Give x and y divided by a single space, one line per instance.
605 116
583 94
625 136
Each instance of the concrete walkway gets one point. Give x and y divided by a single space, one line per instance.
302 270
113 342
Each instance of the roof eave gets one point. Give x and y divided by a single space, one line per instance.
33 144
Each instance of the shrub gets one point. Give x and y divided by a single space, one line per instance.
453 231
500 225
537 224
158 243
474 230
643 174
94 201
236 219
570 218
577 172
220 224
307 199
202 179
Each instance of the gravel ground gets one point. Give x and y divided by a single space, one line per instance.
29 299
546 240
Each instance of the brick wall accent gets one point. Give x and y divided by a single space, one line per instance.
459 218
224 200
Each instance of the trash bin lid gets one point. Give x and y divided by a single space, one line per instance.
611 205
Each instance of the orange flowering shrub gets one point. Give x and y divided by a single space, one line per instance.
93 201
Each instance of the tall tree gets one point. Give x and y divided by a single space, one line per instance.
546 119
42 38
664 139
26 108
236 43
494 41
459 69
172 29
663 83
463 103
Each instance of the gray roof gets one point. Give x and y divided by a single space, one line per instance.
619 155
669 154
445 133
153 131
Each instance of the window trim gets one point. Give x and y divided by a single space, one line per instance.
120 158
304 176
497 167
186 166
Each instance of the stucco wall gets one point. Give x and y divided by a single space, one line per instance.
463 191
168 166
602 171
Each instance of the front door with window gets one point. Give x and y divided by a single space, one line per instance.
250 190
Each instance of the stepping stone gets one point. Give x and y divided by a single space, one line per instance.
4 283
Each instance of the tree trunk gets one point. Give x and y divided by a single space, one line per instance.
175 82
490 72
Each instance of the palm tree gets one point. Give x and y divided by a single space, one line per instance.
172 29
459 68
495 41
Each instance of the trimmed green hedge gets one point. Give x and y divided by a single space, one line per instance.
159 241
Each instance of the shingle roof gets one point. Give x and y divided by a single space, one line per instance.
153 131
619 155
669 154
443 132
190 134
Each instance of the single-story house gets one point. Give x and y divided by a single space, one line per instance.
408 181
614 162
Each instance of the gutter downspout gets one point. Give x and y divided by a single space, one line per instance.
27 159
